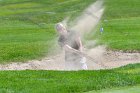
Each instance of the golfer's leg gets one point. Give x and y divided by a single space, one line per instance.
84 66
83 63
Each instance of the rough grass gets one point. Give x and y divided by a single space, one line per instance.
67 81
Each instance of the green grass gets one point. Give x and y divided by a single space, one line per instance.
21 41
133 89
122 9
121 25
121 34
29 81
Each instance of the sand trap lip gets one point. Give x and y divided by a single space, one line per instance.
110 59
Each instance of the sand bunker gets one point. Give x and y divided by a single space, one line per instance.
95 58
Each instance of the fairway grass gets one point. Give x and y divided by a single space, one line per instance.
121 23
31 81
121 34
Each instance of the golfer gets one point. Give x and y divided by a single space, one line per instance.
71 43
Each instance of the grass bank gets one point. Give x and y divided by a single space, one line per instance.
29 81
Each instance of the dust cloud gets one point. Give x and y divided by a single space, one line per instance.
85 24
89 18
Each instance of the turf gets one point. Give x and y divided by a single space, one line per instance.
121 34
134 89
121 23
29 81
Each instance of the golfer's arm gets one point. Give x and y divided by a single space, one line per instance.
72 49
